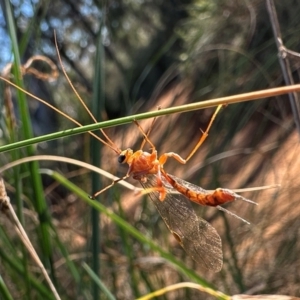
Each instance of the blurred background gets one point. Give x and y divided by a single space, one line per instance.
140 55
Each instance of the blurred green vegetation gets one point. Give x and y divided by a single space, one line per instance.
125 57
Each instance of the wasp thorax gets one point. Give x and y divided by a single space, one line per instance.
124 156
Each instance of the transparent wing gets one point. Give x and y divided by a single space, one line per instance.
197 237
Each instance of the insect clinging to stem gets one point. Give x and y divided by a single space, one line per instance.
170 195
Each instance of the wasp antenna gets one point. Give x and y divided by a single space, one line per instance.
113 147
108 142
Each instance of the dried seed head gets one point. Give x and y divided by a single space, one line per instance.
4 199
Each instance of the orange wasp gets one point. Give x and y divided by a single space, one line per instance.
197 237
171 195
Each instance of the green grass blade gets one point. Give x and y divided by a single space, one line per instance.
19 269
35 178
130 229
98 282
95 148
4 292
71 266
157 113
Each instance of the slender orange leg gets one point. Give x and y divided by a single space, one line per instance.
146 139
109 186
149 130
130 160
163 158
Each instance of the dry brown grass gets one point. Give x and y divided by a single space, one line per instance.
262 257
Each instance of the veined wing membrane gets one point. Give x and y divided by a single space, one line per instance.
197 237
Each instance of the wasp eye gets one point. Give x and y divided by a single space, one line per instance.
121 158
